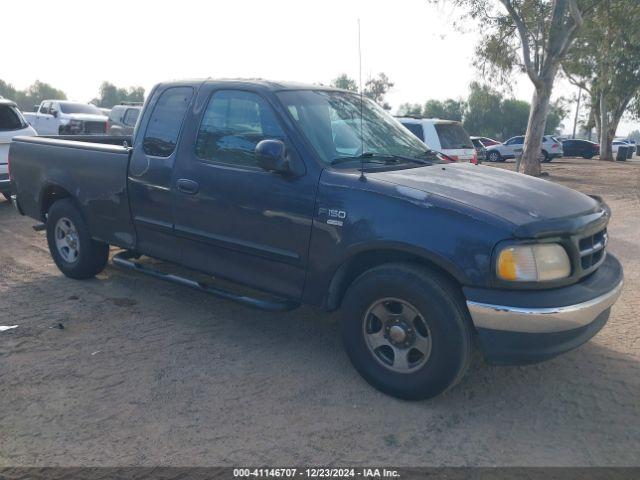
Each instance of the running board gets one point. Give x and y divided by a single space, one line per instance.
124 259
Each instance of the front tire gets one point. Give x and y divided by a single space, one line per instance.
495 157
73 250
406 330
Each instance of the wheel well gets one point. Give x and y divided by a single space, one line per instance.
51 194
361 262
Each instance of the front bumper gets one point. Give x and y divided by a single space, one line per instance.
528 326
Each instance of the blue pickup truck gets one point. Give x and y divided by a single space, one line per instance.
311 195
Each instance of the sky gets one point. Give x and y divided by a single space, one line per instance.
138 42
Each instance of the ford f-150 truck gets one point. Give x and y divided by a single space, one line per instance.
317 196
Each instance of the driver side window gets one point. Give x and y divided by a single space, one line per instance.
233 124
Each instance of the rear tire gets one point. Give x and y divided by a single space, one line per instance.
422 345
7 196
546 158
73 250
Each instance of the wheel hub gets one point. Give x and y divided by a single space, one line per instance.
399 334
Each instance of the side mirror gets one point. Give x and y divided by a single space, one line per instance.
54 113
272 156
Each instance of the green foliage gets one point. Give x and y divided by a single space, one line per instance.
483 115
344 82
410 110
376 88
450 109
32 95
111 95
605 61
489 114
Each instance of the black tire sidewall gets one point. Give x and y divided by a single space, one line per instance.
450 334
91 258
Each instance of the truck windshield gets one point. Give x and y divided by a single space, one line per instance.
68 107
330 120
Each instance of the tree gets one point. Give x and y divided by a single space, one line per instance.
410 110
32 95
376 88
449 109
483 114
605 61
533 36
111 95
344 82
7 90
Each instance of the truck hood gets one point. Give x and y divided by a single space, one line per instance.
518 199
86 117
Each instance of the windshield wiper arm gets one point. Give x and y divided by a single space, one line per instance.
366 156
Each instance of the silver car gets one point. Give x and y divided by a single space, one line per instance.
551 148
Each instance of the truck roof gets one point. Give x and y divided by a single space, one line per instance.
6 101
260 82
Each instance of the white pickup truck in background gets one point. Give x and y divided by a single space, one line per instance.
12 124
61 117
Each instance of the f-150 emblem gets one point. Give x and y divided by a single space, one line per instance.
335 216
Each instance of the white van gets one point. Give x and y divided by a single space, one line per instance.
446 136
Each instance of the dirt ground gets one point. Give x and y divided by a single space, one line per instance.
147 373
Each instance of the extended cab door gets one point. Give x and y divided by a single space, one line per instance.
151 169
234 219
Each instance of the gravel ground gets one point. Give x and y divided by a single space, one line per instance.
147 373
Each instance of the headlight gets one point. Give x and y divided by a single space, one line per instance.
533 263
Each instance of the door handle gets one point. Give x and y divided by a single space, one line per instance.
187 186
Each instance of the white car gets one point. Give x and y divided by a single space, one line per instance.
551 148
445 136
61 117
12 124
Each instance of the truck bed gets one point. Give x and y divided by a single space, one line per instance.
91 169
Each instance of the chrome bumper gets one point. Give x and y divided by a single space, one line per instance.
541 320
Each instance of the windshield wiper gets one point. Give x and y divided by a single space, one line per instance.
366 156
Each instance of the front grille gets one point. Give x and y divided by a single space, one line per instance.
592 249
95 127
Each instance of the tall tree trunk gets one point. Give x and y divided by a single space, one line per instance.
535 128
606 151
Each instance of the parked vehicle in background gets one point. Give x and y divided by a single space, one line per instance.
123 118
12 124
487 142
444 136
551 148
481 149
580 148
62 117
258 182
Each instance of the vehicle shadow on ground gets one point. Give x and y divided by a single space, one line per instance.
136 351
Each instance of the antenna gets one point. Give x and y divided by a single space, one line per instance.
361 104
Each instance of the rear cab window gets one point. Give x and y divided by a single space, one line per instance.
11 119
162 132
453 136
